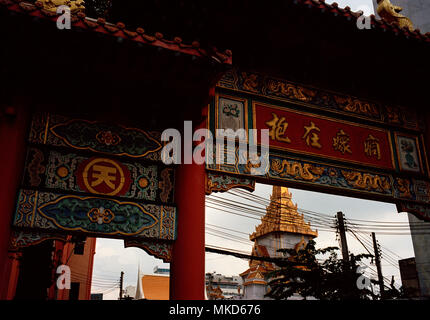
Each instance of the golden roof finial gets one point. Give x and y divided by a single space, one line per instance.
282 216
52 5
391 13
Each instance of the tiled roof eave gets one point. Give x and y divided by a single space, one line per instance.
346 12
118 30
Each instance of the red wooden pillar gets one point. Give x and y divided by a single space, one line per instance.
187 269
13 272
13 133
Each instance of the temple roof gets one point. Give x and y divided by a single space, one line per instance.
155 287
155 80
282 216
347 14
305 41
119 31
257 268
196 18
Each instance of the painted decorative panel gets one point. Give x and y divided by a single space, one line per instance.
21 239
314 98
94 215
159 249
94 179
72 172
94 136
231 113
218 182
408 153
377 152
318 174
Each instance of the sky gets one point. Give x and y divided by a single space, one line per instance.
111 257
356 5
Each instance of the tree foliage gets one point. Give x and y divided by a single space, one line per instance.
332 279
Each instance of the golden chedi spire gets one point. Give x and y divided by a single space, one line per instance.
282 216
391 13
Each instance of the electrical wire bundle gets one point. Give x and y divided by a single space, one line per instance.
103 283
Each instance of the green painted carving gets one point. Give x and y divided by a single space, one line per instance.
158 249
97 215
21 239
105 138
222 183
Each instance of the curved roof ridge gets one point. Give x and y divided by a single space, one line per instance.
119 30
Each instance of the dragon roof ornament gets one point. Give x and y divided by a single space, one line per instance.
391 13
52 5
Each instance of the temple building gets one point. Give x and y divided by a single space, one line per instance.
282 227
152 287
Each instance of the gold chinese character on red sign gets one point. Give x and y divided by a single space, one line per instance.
371 147
341 142
103 176
311 136
278 126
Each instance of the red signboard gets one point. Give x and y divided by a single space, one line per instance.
322 136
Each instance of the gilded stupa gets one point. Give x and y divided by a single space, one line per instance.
282 216
282 227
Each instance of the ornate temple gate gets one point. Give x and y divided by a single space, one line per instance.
83 158
319 140
327 142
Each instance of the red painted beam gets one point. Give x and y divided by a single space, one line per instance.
13 134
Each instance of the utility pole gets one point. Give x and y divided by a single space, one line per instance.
341 226
345 253
378 265
121 280
210 278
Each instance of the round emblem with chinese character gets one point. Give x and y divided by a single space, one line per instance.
103 176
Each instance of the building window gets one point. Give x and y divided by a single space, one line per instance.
74 291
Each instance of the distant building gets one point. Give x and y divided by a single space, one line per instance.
158 270
409 275
220 287
156 286
416 10
80 258
152 287
282 227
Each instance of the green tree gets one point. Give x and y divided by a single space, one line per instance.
300 272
